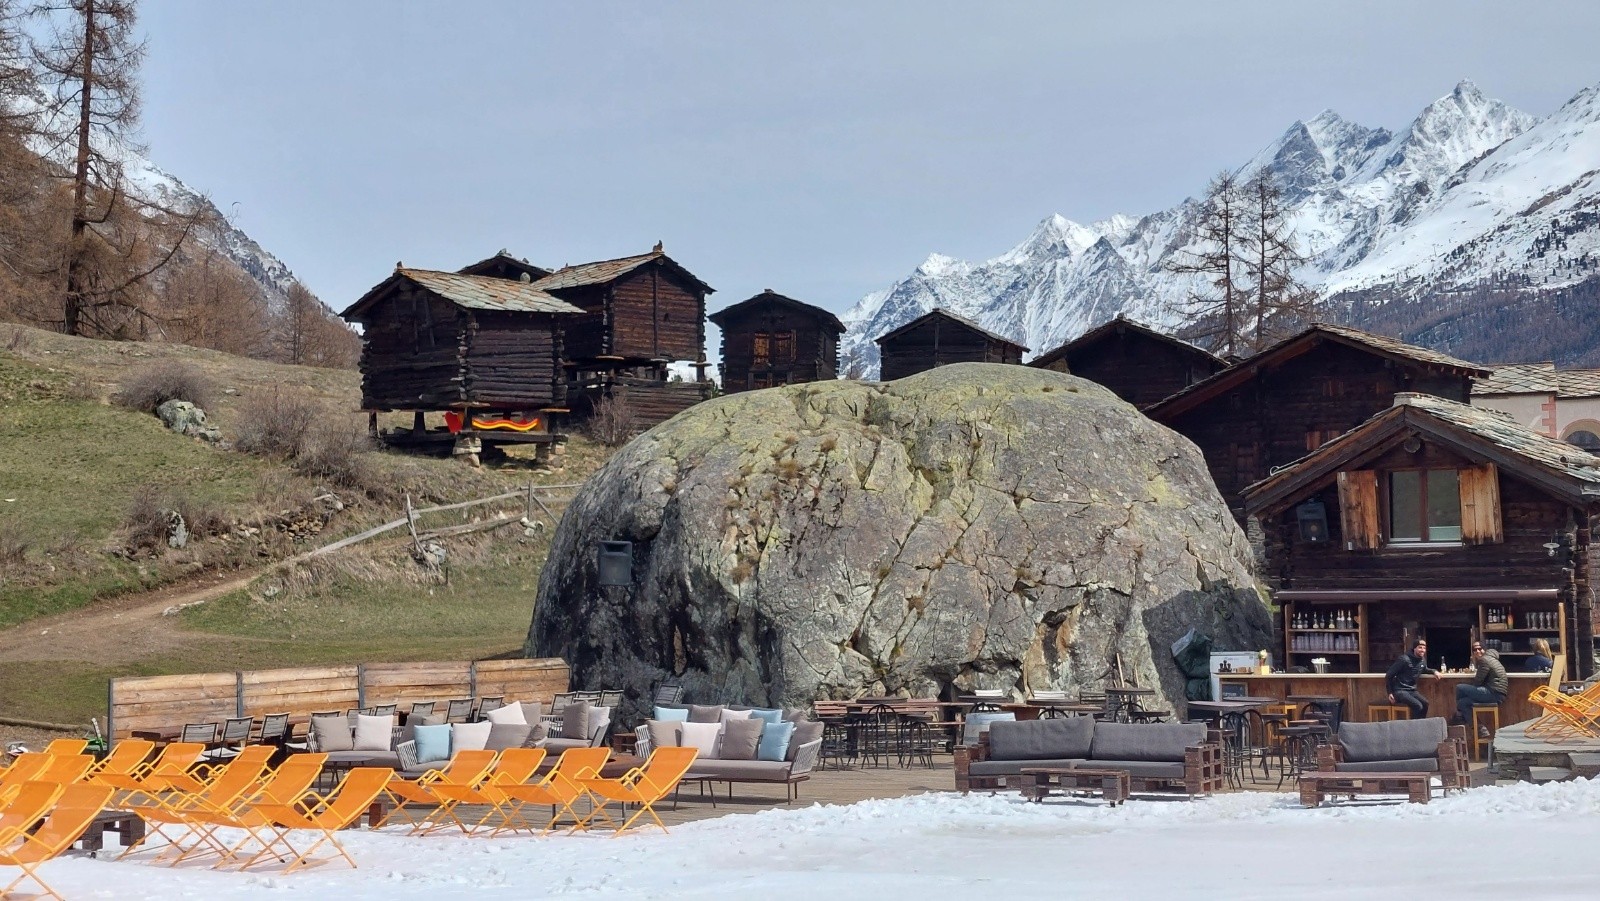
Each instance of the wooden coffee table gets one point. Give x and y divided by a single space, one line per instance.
1036 783
1315 787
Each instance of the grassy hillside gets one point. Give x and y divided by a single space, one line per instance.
73 467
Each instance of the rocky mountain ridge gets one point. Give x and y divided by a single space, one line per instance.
1437 233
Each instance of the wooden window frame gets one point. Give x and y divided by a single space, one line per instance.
1386 489
761 349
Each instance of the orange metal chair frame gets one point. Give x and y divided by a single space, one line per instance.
75 809
290 784
466 768
232 783
642 785
560 788
361 787
514 766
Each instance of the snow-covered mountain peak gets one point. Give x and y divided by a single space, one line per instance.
1471 195
1056 236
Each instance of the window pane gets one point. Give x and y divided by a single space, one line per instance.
1405 506
1444 506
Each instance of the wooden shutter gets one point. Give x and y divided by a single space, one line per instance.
1358 508
1480 505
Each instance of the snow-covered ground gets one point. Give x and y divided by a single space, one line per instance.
1505 842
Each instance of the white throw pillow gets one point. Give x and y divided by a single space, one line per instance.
374 733
511 714
735 714
702 736
469 736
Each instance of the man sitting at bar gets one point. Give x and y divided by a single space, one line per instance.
1401 679
1489 685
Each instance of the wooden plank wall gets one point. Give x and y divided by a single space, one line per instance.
147 702
155 701
524 680
406 683
300 690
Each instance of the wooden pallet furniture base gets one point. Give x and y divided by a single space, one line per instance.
1037 783
1316 787
126 823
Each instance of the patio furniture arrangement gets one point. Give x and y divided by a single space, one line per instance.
738 745
1400 746
1037 783
1158 757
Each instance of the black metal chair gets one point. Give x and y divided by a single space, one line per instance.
878 736
838 743
458 710
916 739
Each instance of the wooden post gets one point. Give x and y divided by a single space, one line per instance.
411 523
1582 601
527 508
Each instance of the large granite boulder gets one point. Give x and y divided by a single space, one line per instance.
973 526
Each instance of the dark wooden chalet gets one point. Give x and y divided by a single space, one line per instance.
939 338
1437 518
1139 364
1269 410
640 314
773 340
471 345
504 265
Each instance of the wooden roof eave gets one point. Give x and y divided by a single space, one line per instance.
355 311
1312 473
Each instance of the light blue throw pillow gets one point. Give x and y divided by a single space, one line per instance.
774 740
771 716
433 743
672 714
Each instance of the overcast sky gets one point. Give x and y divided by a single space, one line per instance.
819 149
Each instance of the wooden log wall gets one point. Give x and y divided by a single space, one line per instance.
151 702
1138 368
513 361
655 314
917 350
1277 417
816 349
411 352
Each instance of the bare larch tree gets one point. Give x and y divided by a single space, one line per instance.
1279 305
1216 318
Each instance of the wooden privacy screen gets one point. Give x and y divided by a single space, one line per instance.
152 702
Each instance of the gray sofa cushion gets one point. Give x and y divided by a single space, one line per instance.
748 770
1398 740
575 720
1041 739
1164 742
507 735
740 738
377 758
702 714
1412 765
804 733
556 744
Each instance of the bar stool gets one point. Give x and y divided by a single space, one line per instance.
1484 716
1387 713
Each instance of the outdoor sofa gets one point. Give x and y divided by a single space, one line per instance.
719 764
1158 757
1401 746
357 740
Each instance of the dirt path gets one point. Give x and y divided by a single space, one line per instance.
120 630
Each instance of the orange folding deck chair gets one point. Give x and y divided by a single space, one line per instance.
559 788
514 766
154 777
290 784
67 746
29 804
1567 715
361 787
233 782
642 785
466 768
24 769
128 757
75 809
65 769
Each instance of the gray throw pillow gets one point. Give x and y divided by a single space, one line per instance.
432 719
332 733
536 733
699 714
532 711
804 733
665 733
575 720
740 738
507 735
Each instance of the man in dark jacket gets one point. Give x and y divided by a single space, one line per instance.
1401 679
1489 685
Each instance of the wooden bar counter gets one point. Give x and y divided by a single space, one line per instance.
1361 689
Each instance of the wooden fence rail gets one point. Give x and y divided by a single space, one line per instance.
150 702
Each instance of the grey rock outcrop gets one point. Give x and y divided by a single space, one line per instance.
974 526
187 419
